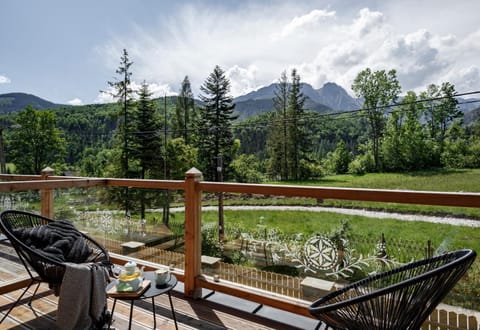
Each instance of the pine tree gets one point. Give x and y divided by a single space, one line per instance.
147 142
185 118
215 129
277 134
296 137
123 93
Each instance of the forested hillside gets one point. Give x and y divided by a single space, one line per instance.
13 102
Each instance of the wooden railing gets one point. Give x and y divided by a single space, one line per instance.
193 188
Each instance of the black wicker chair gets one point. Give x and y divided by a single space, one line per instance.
401 298
48 269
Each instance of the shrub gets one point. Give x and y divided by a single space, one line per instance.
362 164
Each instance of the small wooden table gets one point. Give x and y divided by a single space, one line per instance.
152 292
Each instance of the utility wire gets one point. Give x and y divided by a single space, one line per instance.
302 119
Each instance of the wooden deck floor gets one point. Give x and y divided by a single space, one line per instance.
216 311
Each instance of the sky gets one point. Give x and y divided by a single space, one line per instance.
67 51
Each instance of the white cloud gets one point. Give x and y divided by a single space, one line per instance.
367 22
416 57
75 101
465 80
157 90
255 44
243 80
306 21
4 80
105 96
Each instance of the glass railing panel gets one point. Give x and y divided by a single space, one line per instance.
157 237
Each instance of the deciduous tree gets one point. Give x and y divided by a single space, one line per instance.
378 90
440 112
38 142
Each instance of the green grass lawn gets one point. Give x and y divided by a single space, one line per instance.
309 223
439 180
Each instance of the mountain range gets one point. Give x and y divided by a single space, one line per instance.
329 98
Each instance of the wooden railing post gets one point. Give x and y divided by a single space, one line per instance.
193 232
47 195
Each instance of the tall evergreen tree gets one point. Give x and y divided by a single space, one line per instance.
185 119
146 138
124 95
378 89
277 134
216 117
147 141
297 144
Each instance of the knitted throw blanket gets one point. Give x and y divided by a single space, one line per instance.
58 240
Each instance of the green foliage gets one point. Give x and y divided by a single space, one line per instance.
246 168
210 243
405 145
95 162
36 143
363 163
337 161
455 150
253 135
440 112
86 127
310 169
181 157
378 89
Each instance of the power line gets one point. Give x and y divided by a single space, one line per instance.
309 115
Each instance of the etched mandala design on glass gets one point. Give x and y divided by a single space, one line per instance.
321 253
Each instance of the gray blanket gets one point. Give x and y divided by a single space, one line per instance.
83 300
58 240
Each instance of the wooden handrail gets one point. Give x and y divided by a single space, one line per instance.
371 195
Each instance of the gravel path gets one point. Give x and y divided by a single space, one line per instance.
372 214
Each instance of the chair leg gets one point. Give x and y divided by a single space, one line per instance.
16 302
33 295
